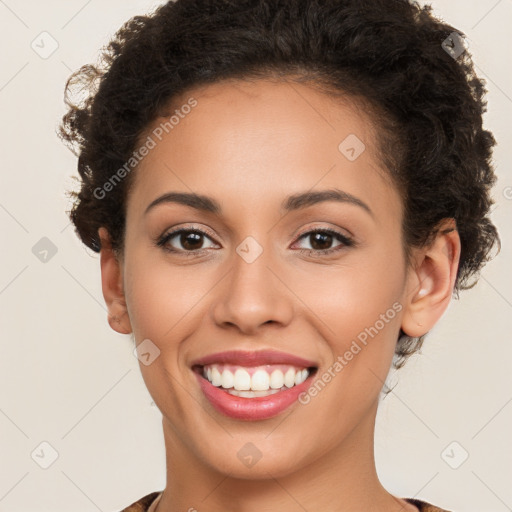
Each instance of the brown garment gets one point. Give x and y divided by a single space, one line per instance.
143 504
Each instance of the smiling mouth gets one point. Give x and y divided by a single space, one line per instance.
254 381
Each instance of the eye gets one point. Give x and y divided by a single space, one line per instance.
190 240
321 240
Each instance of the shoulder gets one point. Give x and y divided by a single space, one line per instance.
423 506
143 504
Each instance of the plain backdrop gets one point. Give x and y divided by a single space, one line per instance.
71 394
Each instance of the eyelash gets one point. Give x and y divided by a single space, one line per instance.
345 242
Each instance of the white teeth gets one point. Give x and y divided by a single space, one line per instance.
289 378
242 380
215 377
260 380
263 381
228 379
252 394
300 377
277 379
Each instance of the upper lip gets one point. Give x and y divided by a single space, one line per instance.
253 358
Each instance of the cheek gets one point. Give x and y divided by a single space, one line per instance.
359 306
161 298
164 305
361 294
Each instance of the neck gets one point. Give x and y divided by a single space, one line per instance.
342 480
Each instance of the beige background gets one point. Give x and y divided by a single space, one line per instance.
68 380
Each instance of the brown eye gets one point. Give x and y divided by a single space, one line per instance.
321 241
184 240
191 241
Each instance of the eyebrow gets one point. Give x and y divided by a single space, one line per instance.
305 199
294 202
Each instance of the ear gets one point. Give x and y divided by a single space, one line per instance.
431 280
112 286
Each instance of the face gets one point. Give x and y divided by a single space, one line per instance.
315 282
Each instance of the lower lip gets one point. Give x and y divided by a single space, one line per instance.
251 409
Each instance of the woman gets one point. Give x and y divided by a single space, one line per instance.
285 196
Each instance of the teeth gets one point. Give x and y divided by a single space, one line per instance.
214 377
277 379
260 380
253 394
257 381
242 380
228 379
300 377
289 378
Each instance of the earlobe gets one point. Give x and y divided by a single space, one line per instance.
432 280
112 286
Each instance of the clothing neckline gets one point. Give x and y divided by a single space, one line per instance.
420 505
154 503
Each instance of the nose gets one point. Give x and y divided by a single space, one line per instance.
252 294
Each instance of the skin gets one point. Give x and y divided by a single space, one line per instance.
249 146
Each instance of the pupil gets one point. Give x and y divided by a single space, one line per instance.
187 240
325 237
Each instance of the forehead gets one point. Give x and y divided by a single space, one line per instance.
259 141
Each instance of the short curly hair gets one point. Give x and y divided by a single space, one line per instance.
407 66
